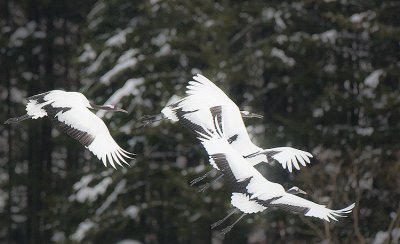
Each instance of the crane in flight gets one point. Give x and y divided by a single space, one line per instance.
203 102
70 111
252 192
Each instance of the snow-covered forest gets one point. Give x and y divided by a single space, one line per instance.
325 75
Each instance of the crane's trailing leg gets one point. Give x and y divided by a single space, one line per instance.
17 119
150 119
208 184
229 228
200 178
222 220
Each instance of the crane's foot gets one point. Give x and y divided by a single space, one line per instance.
204 187
226 230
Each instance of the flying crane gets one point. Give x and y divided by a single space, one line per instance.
70 112
203 102
252 192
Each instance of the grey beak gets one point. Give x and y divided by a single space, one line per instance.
295 190
246 114
108 108
254 115
120 110
302 192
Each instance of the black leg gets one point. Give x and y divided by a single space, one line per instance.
17 119
222 220
146 120
207 185
229 228
201 177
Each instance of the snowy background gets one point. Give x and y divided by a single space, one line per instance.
325 74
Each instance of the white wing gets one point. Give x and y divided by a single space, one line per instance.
84 126
288 157
244 204
204 93
297 204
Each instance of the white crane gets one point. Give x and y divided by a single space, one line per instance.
205 100
70 111
242 202
251 191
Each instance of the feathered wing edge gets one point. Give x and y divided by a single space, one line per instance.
201 84
214 140
288 157
114 154
290 202
95 135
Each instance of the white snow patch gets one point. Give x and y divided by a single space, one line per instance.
58 237
318 112
27 75
327 36
88 54
130 88
325 155
127 55
112 197
82 229
160 39
164 50
366 181
96 9
271 13
358 17
275 52
94 23
96 65
330 68
131 211
23 32
382 236
126 64
83 182
364 131
372 79
17 95
87 193
118 39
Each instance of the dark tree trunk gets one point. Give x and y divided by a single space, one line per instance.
10 163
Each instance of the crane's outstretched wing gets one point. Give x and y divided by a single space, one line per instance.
204 94
297 204
84 126
288 157
246 180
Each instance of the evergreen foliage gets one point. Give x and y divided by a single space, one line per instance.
325 74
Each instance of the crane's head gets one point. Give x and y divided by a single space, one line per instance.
107 107
247 114
295 190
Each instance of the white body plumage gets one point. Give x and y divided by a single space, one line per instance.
252 191
205 100
70 111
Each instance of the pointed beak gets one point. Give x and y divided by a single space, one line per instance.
108 108
254 115
120 110
302 192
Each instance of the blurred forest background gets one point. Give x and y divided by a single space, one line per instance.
325 74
